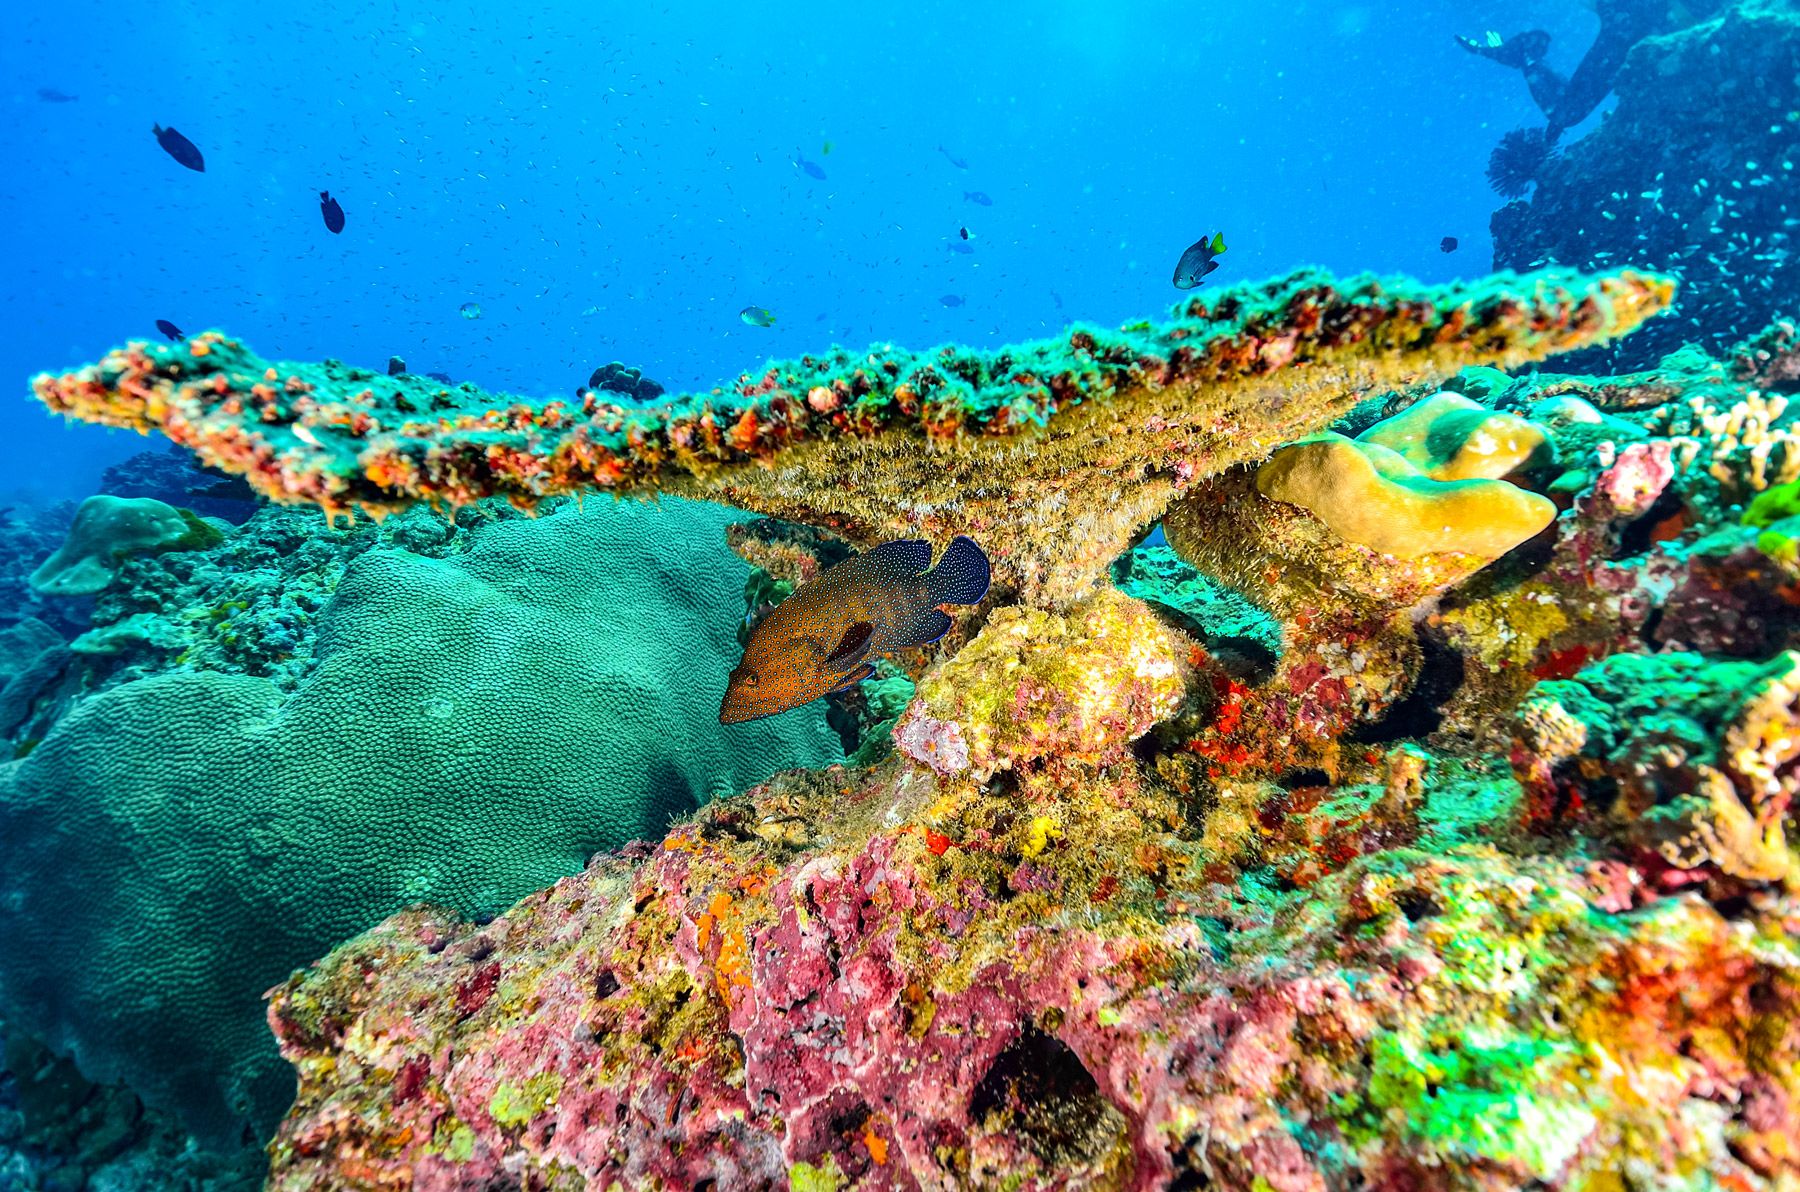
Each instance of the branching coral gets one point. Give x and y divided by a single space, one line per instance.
1052 454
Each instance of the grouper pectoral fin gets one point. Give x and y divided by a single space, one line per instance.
854 644
854 677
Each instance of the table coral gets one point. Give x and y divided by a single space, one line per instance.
1052 454
467 729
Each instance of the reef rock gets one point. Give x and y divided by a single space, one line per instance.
1119 913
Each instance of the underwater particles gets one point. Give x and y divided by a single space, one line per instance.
825 636
470 310
1198 261
179 148
756 316
334 214
169 329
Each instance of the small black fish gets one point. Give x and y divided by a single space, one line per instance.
963 232
334 214
52 95
1198 261
179 148
813 169
976 196
396 366
1447 244
958 162
951 300
169 329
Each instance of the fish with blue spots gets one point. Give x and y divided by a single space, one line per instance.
826 636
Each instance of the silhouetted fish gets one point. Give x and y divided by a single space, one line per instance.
52 95
958 162
179 148
396 366
169 329
1447 244
962 246
813 169
1198 261
951 300
825 636
334 214
444 377
976 196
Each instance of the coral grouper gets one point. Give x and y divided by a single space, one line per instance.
819 639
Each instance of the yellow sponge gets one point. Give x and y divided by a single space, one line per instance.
1372 495
1449 437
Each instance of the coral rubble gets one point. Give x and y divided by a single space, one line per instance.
1052 454
1443 871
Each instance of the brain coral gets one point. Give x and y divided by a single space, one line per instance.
475 728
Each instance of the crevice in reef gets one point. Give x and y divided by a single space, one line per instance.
1039 1090
1441 670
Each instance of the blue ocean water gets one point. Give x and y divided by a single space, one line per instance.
616 182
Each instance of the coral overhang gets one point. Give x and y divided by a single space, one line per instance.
1051 453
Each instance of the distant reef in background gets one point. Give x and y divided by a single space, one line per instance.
1696 173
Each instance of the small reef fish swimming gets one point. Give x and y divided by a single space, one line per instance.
1447 244
961 246
978 197
951 300
334 214
756 316
1198 261
179 148
396 366
825 636
469 310
52 95
169 329
813 169
958 162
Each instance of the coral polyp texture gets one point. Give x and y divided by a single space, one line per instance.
1472 875
1051 453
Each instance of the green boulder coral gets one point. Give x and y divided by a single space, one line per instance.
473 729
